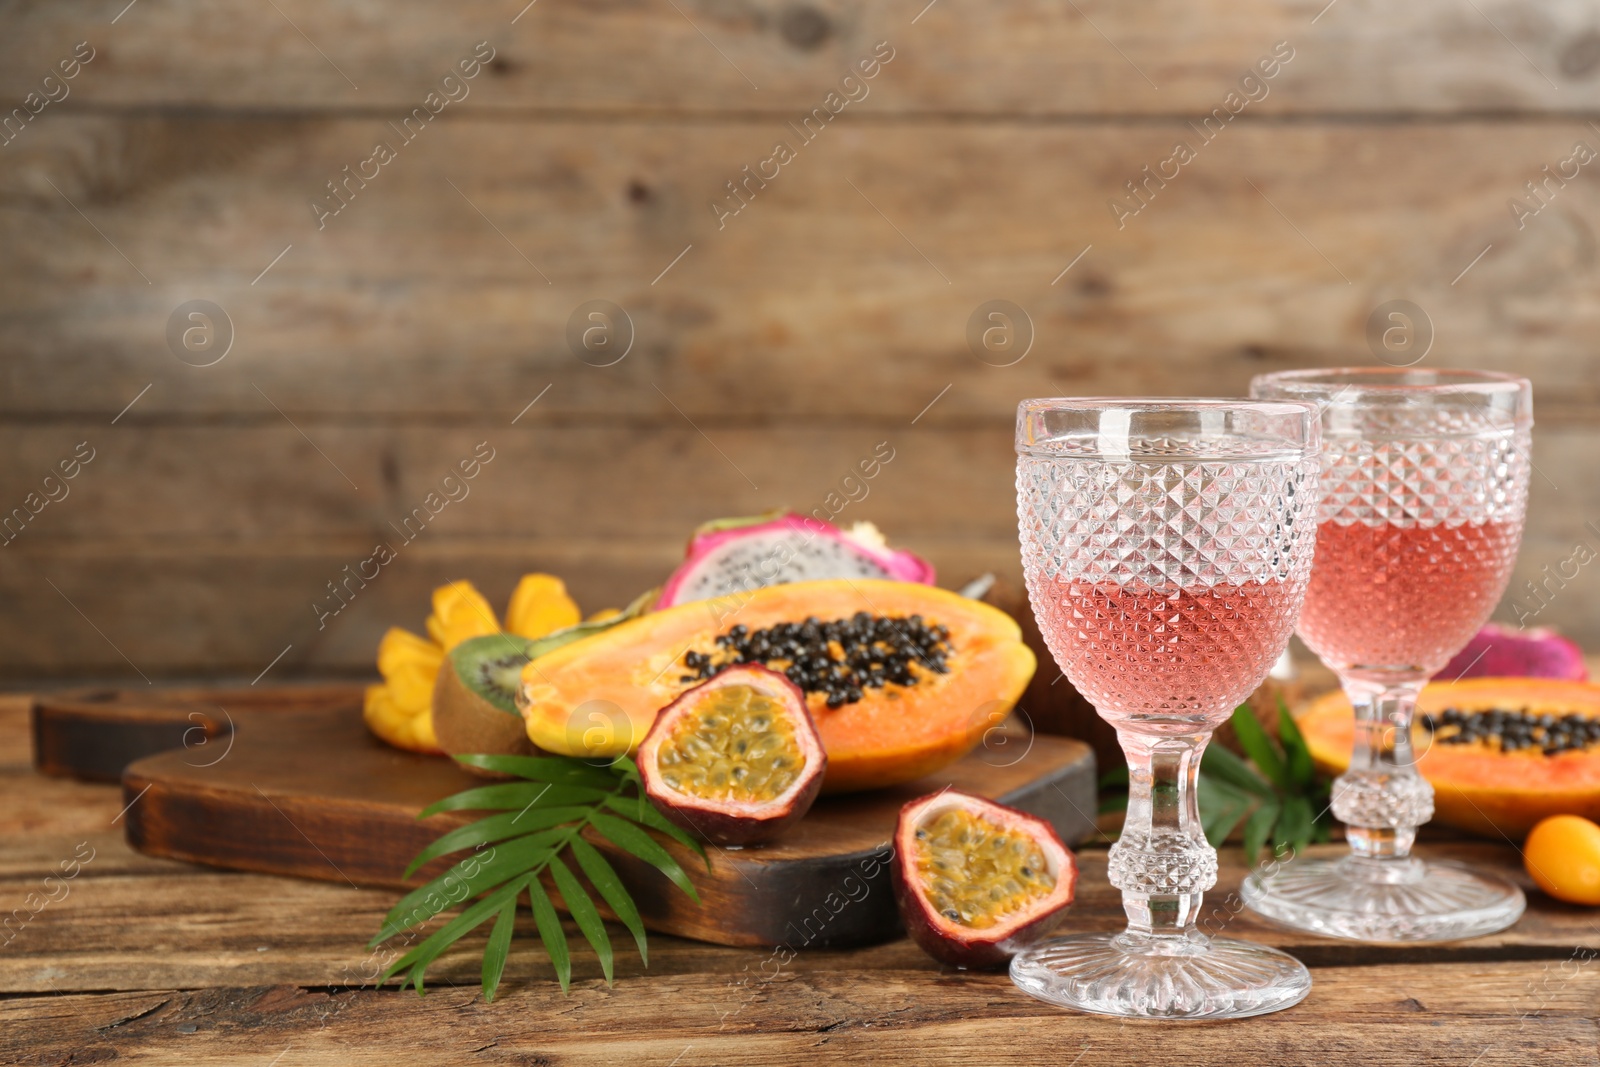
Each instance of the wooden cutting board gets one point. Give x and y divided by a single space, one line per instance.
289 781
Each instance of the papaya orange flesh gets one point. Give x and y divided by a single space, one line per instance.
1477 787
596 697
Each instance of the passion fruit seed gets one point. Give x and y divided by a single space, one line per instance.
1513 731
735 744
975 872
840 659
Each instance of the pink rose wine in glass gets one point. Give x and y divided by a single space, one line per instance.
1423 590
1167 649
1167 546
1425 482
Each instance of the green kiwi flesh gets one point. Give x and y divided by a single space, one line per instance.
474 697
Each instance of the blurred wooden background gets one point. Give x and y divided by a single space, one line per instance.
770 354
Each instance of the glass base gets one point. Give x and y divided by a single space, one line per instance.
1384 900
1171 977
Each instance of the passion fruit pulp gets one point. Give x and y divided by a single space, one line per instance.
736 759
977 881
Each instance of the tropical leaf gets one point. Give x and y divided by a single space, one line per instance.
514 796
657 821
629 838
1297 754
584 913
1222 806
554 769
1259 747
1221 764
451 932
1294 825
496 828
533 821
1258 827
499 946
468 878
551 933
609 886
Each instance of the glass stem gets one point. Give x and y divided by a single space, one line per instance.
1162 862
1382 799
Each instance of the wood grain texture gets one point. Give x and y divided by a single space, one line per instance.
817 321
1405 1015
231 535
808 305
291 782
1032 58
152 961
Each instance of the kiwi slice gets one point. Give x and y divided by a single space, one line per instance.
474 710
474 697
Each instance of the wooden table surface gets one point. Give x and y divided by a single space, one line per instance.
141 960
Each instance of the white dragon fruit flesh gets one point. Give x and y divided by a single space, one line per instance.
732 556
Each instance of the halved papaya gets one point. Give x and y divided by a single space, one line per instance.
1501 753
901 678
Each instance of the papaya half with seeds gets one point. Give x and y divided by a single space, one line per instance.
1500 753
900 678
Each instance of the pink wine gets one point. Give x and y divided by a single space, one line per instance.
1403 596
1165 652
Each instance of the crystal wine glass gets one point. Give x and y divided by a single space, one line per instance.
1424 486
1167 546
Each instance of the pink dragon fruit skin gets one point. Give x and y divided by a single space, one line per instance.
1499 652
730 556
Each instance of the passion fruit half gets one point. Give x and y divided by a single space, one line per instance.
736 759
977 881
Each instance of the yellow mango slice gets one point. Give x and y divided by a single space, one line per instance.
540 605
460 612
400 726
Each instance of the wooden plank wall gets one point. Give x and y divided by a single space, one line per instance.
374 349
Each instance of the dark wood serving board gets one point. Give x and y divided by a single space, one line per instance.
290 782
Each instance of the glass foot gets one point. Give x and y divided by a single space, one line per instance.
1142 977
1384 900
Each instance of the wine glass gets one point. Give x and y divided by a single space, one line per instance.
1167 546
1424 486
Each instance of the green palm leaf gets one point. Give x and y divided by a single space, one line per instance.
496 828
555 769
514 796
468 878
531 822
1258 827
1259 747
583 912
629 838
551 933
498 948
640 810
611 890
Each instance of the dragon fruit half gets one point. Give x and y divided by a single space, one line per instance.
1498 652
730 556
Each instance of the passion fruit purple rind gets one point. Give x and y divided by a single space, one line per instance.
977 881
736 760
